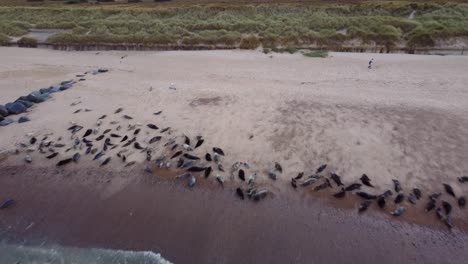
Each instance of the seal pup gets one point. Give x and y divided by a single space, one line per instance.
76 157
417 193
192 181
137 145
105 161
53 155
364 205
381 201
438 212
365 180
131 163
184 175
88 132
400 197
449 189
188 156
461 201
447 207
336 178
340 194
218 151
196 169
257 196
321 168
241 174
278 167
152 126
353 186
463 179
293 183
208 157
430 205
63 162
396 185
7 203
100 154
399 211
412 198
240 193
220 181
271 174
366 196
324 185
448 222
165 129
299 176
199 143
208 171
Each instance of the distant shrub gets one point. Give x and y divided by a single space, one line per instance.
27 42
250 42
316 54
4 39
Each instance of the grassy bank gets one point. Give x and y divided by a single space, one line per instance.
246 26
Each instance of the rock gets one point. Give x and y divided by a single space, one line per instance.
54 88
65 87
6 122
46 90
15 108
66 82
3 111
37 97
23 119
25 103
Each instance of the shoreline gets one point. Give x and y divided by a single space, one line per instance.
137 211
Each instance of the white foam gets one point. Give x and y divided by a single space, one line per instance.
56 254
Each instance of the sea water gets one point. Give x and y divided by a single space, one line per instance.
14 254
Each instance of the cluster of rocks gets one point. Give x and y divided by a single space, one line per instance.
21 104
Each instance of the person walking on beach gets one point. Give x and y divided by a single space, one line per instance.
370 63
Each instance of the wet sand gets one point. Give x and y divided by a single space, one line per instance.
135 211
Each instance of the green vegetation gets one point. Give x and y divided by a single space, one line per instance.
245 26
316 54
4 39
27 41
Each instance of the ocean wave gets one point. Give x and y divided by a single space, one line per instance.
64 255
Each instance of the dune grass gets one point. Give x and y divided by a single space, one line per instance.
245 26
316 54
4 39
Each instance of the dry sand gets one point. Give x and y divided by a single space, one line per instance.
405 119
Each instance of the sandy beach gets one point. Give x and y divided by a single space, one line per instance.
405 119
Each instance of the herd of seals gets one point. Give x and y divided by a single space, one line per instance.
21 104
116 137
